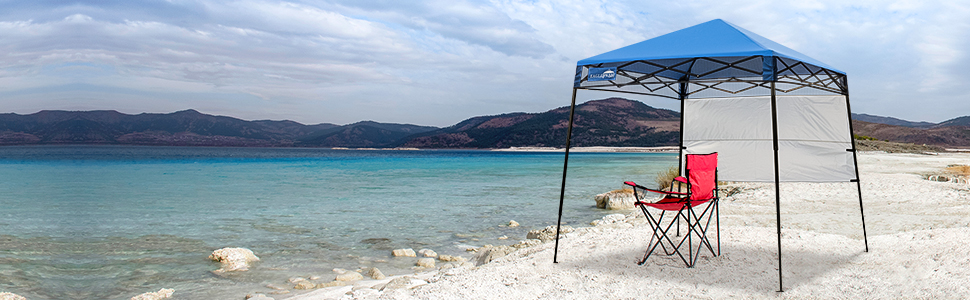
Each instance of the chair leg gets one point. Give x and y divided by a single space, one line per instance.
661 235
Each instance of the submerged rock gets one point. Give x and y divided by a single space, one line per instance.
160 294
233 259
616 199
404 252
428 253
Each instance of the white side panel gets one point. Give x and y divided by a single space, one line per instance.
815 161
739 160
813 137
813 118
727 119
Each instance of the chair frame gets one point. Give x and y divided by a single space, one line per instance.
696 224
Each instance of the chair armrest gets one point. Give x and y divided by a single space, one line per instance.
637 186
681 179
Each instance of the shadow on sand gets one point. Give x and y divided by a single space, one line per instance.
741 267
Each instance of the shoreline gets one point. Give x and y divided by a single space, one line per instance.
822 241
598 149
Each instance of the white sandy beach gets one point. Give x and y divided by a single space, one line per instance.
917 230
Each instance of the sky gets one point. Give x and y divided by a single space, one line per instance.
438 62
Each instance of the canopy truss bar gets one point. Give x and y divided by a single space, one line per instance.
724 76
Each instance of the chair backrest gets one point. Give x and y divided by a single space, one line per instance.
702 172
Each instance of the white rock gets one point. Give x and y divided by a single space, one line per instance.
616 199
375 273
513 223
349 276
451 258
233 259
426 262
428 253
305 285
489 253
12 296
548 233
404 252
160 294
258 296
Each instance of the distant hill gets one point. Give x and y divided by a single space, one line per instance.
891 121
607 122
939 135
961 121
188 128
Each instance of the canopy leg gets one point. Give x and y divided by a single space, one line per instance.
565 165
855 162
774 129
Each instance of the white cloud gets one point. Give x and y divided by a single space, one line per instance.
437 62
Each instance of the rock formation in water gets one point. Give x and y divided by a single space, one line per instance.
233 259
160 294
616 199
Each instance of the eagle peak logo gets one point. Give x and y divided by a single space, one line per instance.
602 74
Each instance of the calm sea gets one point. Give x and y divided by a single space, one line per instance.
111 222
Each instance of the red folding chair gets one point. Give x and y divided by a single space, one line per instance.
701 181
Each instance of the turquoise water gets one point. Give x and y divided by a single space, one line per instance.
111 222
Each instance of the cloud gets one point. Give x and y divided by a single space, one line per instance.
436 62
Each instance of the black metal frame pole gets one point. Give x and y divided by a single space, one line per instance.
565 165
680 148
774 131
855 162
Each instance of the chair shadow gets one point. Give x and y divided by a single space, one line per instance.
740 267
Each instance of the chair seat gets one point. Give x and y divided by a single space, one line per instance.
671 203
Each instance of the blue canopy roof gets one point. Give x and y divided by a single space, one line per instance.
712 39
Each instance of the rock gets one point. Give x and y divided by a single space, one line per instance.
489 253
616 199
296 279
275 287
425 262
404 252
513 223
160 294
12 296
349 276
504 237
609 219
330 284
258 296
233 259
305 285
428 253
548 233
451 258
402 282
527 243
375 273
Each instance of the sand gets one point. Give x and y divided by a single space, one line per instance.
917 235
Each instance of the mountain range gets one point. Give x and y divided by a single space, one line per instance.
607 122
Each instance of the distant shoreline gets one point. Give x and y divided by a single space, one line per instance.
591 149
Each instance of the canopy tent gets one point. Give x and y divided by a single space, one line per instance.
771 113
